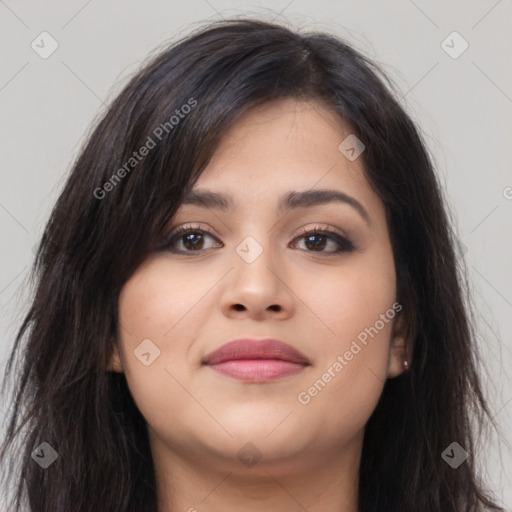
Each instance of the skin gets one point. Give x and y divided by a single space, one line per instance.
191 304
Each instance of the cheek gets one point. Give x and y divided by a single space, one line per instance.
352 299
165 304
153 318
357 309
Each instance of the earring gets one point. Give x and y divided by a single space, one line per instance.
405 364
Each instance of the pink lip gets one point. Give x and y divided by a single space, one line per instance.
257 360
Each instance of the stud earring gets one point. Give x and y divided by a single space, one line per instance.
405 364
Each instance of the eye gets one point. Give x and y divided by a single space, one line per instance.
190 239
317 239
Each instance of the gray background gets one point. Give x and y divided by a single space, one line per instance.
463 106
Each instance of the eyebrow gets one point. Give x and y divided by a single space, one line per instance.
290 200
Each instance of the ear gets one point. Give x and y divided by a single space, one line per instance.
400 349
115 364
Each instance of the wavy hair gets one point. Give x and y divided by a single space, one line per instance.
106 222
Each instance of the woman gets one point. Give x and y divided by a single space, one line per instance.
248 298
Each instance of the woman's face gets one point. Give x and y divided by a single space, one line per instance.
256 274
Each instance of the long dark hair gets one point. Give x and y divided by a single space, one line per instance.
106 222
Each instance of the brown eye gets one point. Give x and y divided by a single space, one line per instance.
317 240
187 240
193 240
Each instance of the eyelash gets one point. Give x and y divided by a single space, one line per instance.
344 244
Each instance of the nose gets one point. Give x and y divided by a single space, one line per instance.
257 289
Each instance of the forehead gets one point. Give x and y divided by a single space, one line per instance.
281 140
307 125
280 154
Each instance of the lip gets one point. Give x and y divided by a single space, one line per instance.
257 360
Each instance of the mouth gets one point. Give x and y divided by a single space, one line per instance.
257 360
